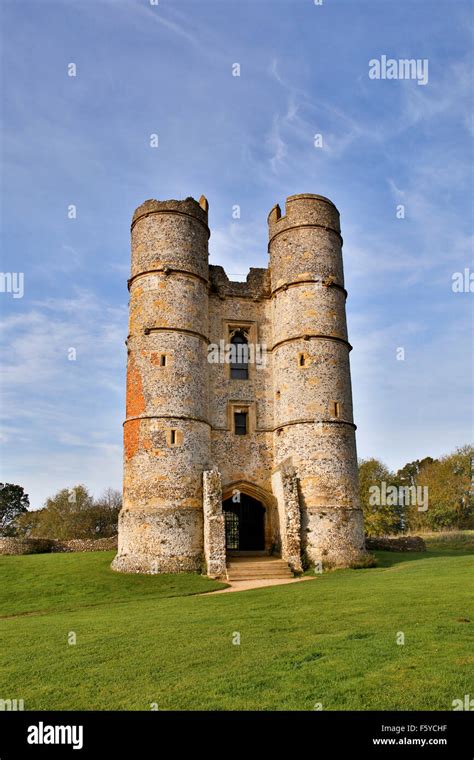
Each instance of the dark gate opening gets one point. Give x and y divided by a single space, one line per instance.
244 524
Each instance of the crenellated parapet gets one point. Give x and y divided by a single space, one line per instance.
256 286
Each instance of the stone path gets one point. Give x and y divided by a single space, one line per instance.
248 585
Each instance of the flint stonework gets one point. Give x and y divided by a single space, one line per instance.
182 456
214 528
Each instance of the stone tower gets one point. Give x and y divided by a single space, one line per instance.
255 453
166 431
314 426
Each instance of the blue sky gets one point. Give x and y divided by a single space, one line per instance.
248 140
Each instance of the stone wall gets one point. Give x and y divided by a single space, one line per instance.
398 544
285 488
214 525
26 545
242 458
46 545
86 545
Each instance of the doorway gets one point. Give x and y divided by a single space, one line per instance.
244 524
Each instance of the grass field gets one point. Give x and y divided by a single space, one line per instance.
152 639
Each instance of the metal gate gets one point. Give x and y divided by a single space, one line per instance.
244 524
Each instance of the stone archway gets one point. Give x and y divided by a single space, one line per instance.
251 518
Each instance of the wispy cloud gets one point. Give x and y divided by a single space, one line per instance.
50 403
245 140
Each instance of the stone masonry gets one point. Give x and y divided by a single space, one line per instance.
183 459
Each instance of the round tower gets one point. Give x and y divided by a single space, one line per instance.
314 428
166 430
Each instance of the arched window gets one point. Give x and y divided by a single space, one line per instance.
239 364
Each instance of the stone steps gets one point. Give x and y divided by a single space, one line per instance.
256 568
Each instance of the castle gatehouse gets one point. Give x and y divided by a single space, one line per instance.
255 452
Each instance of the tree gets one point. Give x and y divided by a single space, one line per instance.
450 493
73 513
25 524
409 474
64 515
383 513
13 502
111 499
104 514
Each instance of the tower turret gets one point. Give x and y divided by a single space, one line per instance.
314 429
166 430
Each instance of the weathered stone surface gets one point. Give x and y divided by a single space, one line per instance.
285 488
180 406
306 270
160 541
86 544
214 527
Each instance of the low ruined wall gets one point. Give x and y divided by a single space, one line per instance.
18 546
86 545
400 544
25 545
11 546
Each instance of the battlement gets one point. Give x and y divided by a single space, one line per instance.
188 207
305 209
256 286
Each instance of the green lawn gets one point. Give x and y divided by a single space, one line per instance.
151 639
